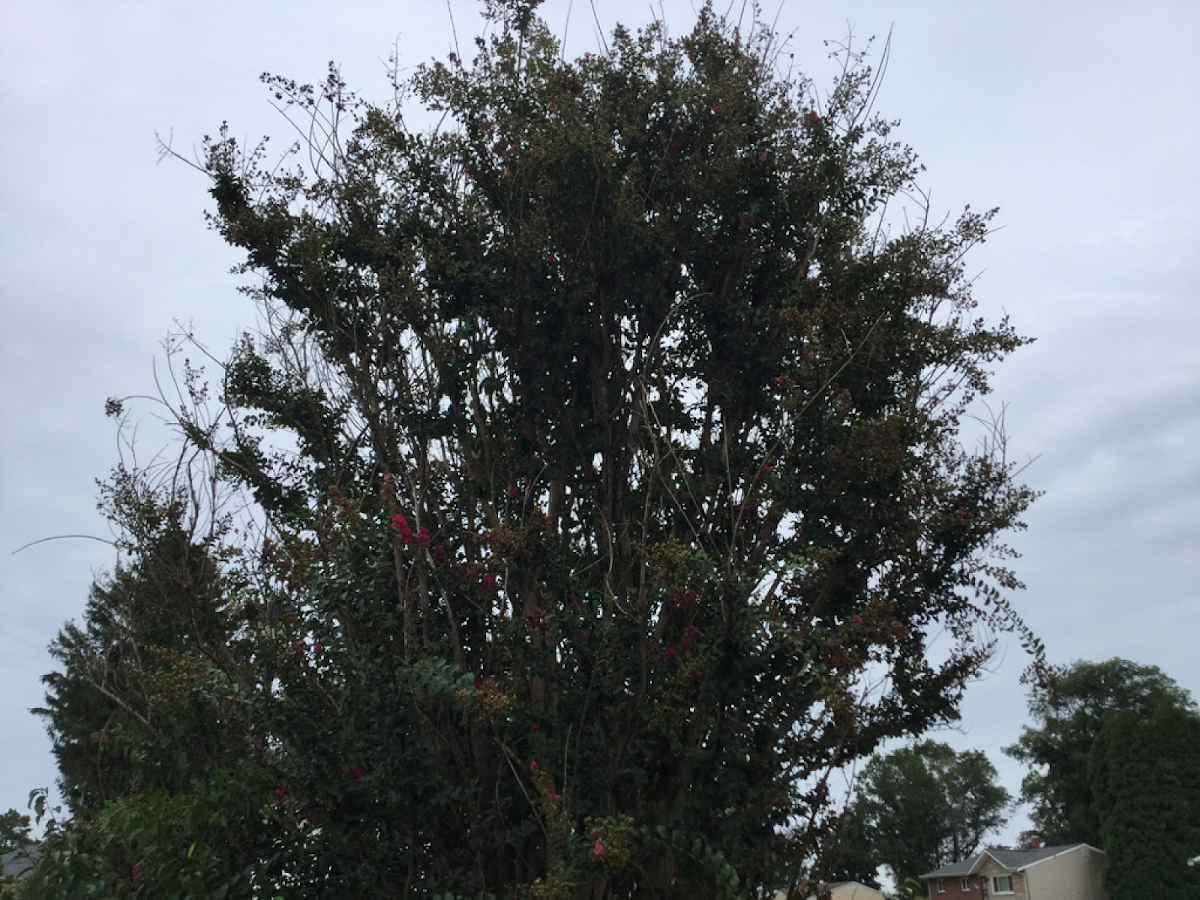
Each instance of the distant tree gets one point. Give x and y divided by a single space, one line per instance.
599 449
851 857
146 752
125 712
925 806
1070 711
1144 773
14 830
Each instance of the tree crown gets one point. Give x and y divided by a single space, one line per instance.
606 482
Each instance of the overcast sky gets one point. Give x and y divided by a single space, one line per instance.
1081 121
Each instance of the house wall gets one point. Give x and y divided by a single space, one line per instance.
954 889
990 867
1072 876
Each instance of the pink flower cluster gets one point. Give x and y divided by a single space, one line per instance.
404 532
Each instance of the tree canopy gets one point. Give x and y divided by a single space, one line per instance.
1144 773
923 807
1070 711
14 831
601 489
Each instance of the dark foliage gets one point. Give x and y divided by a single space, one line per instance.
1144 773
924 807
603 451
1070 711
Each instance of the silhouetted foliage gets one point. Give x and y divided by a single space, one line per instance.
606 490
14 830
1144 773
1069 713
925 806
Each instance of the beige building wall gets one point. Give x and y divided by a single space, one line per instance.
1073 876
990 867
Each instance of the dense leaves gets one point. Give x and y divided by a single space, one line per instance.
1144 773
923 807
1070 713
14 831
606 489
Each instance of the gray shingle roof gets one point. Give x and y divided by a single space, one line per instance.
955 869
1015 860
16 863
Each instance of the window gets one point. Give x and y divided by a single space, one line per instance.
964 884
1002 884
941 886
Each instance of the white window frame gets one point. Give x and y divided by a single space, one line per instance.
941 885
964 884
996 884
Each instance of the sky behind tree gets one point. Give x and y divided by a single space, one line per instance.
1080 121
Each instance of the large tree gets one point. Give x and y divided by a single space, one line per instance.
1144 772
1069 712
607 490
925 806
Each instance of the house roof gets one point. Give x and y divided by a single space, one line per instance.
855 889
16 863
962 867
1014 860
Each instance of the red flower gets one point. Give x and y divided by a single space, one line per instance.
599 848
533 765
404 533
857 620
